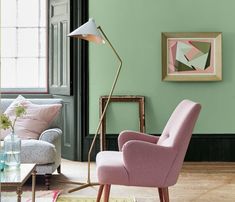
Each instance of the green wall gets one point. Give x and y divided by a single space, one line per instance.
134 27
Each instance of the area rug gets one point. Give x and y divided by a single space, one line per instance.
90 199
41 196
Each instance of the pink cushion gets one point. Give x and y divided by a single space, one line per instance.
34 122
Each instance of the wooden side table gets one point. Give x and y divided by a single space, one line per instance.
17 177
120 98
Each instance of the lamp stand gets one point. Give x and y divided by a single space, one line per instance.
89 183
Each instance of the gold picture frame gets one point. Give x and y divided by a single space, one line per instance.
191 56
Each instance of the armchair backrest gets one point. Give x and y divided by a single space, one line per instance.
177 134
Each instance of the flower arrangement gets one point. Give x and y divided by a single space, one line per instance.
12 144
6 122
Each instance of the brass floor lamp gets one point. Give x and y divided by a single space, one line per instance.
90 32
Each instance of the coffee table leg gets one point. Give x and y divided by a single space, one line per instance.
19 192
33 185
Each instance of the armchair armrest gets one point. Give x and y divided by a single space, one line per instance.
128 135
147 159
52 135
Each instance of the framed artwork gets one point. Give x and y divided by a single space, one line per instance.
191 56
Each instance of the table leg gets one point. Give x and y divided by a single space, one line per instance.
33 185
19 192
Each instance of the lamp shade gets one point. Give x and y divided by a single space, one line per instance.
88 31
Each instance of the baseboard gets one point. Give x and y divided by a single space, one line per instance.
202 147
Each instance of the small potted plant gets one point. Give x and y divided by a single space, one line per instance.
12 143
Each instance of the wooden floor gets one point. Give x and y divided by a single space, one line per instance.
212 182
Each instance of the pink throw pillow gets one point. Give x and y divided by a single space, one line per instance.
35 121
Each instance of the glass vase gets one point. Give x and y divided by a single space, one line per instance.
12 149
2 157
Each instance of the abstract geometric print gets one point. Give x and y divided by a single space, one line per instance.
190 56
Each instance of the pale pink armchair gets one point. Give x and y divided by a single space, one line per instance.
149 161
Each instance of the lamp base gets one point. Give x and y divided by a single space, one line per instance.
82 185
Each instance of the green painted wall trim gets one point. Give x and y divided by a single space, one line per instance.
134 27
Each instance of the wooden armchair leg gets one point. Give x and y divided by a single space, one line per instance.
47 180
106 192
163 194
166 194
100 193
160 194
59 169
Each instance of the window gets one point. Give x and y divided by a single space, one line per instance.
23 45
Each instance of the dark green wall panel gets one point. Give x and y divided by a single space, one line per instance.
203 147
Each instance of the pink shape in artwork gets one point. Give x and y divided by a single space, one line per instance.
172 56
173 52
193 53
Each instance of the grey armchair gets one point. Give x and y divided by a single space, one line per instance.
46 151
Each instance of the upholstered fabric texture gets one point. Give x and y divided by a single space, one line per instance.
34 122
37 151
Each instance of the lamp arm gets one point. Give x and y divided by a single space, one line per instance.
110 44
108 100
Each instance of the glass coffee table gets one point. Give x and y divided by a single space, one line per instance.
17 177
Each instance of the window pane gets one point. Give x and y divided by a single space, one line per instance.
8 13
42 42
43 15
27 73
8 67
42 73
28 13
23 47
28 42
8 42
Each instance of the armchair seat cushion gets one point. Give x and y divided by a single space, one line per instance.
111 169
37 151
